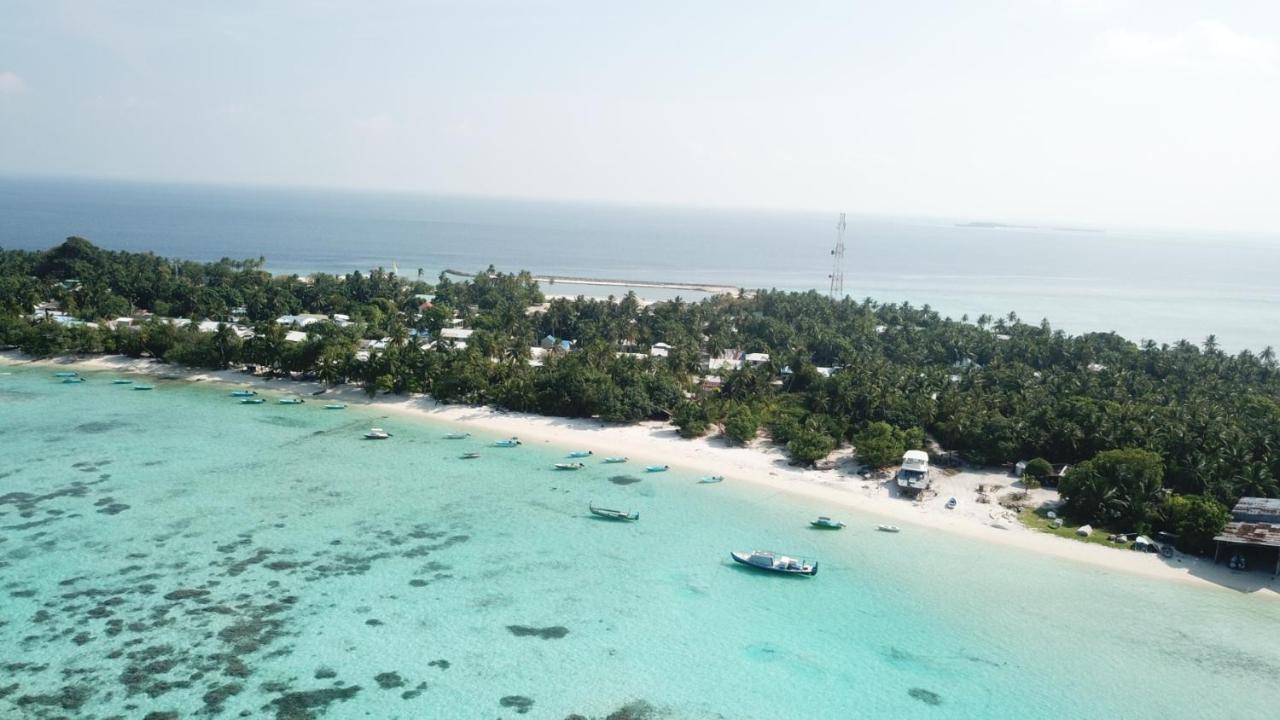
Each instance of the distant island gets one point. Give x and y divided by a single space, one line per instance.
1006 226
1157 437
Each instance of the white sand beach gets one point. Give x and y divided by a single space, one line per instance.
828 491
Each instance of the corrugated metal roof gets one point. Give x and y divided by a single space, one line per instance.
1256 509
1260 534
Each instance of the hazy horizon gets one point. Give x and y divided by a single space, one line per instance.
1104 113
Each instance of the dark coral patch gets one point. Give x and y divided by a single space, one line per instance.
389 680
304 705
624 480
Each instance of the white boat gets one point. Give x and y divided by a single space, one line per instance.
251 401
243 393
914 476
657 468
709 479
470 455
377 434
580 454
612 514
336 406
825 523
121 382
457 435
888 528
615 459
291 401
66 373
773 562
569 466
511 442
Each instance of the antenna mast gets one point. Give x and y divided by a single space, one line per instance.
837 263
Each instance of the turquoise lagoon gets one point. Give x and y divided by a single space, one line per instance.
177 552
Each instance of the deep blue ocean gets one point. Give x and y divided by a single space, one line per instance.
1161 285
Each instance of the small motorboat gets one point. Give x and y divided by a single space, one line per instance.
243 393
336 406
773 562
710 479
580 454
951 504
72 380
121 382
457 435
66 374
613 514
291 401
888 528
569 466
825 523
615 459
510 442
470 455
251 401
657 468
377 434
144 387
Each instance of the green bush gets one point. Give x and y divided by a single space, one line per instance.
1195 519
881 444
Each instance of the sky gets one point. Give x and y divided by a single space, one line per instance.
1158 113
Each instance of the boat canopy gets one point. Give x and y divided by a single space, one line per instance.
915 460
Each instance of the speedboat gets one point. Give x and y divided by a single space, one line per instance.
569 466
613 514
291 401
457 435
510 442
66 374
580 454
144 387
888 528
377 434
615 459
121 382
243 393
336 406
773 562
251 401
470 455
710 479
951 504
825 523
657 468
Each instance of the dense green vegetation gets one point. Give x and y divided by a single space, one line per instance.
1188 420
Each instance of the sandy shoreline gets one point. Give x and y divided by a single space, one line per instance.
827 491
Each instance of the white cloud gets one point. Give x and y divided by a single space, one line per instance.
10 83
1205 46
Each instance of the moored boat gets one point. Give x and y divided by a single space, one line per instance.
510 442
336 406
66 374
657 468
613 514
291 401
251 401
774 562
569 466
144 387
470 455
121 381
72 380
580 454
710 479
457 435
825 523
615 459
377 434
888 528
243 393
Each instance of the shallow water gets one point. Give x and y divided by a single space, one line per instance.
177 551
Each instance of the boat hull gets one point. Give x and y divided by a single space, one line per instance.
741 559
